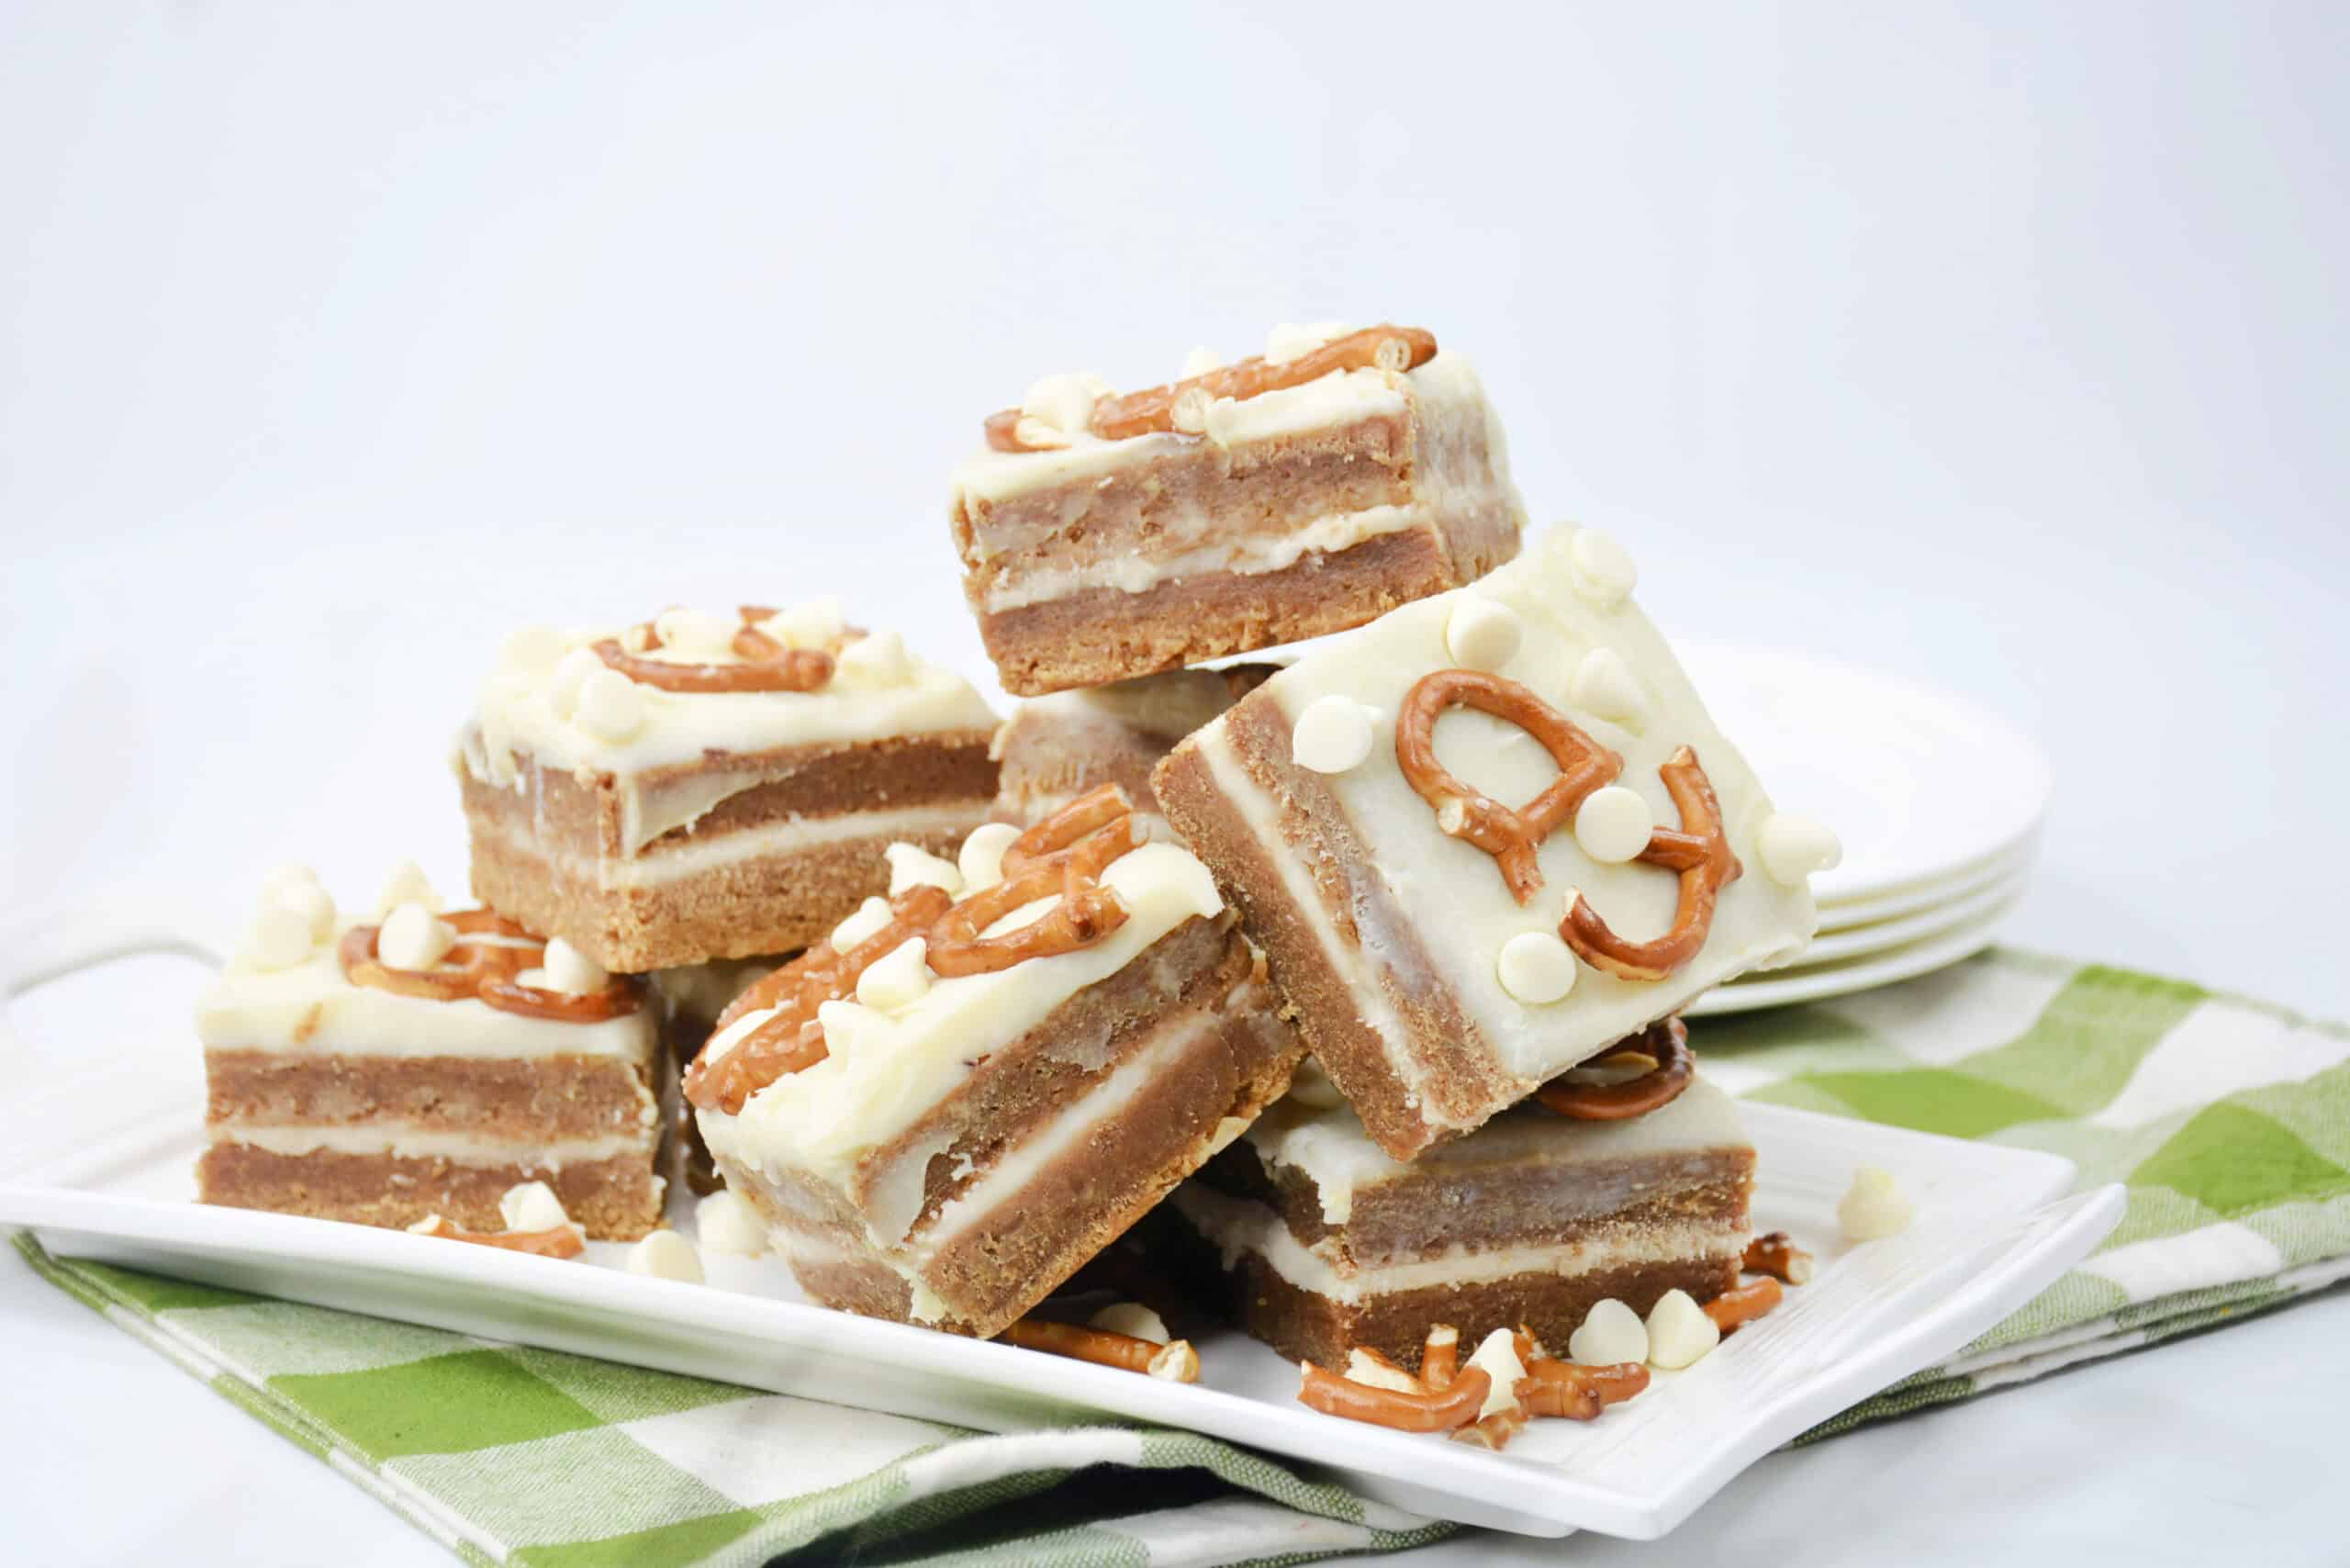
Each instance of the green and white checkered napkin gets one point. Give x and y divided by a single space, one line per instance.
2230 1122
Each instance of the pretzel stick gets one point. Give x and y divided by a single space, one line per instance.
1440 1357
1578 1393
559 1241
1665 1042
1175 1361
1777 1255
1743 1303
1699 852
1436 1411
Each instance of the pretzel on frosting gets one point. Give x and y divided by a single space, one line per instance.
1700 852
1065 854
1510 834
793 1040
767 665
1396 349
1665 1043
495 951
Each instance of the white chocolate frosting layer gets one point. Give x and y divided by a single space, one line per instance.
1566 614
885 1069
458 1148
531 704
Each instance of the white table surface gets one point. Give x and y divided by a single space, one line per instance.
1998 346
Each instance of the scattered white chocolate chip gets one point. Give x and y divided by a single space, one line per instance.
1679 1331
1535 968
696 635
1362 1369
570 971
571 673
1482 635
1873 1207
1177 1363
912 866
665 1255
878 658
1600 570
293 874
1794 847
1613 824
310 902
1132 1319
981 858
1497 1356
1603 686
819 623
1310 1086
1332 736
1065 401
870 917
1200 361
611 706
1290 341
729 1225
407 884
531 1205
900 978
1611 1332
413 938
277 937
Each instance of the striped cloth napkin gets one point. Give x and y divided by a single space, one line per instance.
2230 1122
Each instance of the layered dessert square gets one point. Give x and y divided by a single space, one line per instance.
689 999
1489 835
385 1071
1324 1245
973 1086
1309 490
702 787
1054 749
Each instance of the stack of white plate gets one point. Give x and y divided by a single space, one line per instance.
1937 803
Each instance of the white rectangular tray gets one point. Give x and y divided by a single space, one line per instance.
100 1143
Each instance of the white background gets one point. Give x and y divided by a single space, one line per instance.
1997 346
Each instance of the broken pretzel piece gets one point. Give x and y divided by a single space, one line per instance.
1777 1255
1665 1042
1175 1361
1743 1303
556 1241
1438 1410
1441 1358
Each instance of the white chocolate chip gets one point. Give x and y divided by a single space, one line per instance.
696 635
1190 410
293 874
819 623
870 917
1611 1332
912 866
531 1205
1133 1321
531 645
1482 635
1497 1356
1332 736
1600 570
310 902
981 858
413 938
611 706
1066 401
407 884
571 673
878 658
1201 361
275 938
1603 686
1290 341
1679 1331
847 1026
1795 847
1614 823
1035 435
1361 1368
573 972
665 1255
1535 968
900 978
726 1223
1873 1207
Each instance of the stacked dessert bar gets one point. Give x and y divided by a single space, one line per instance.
949 1007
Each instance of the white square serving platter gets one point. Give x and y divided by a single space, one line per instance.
101 1135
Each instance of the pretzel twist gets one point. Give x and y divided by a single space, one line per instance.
767 665
1700 852
1065 854
1511 835
494 951
793 1040
1665 1043
1436 1410
1394 348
